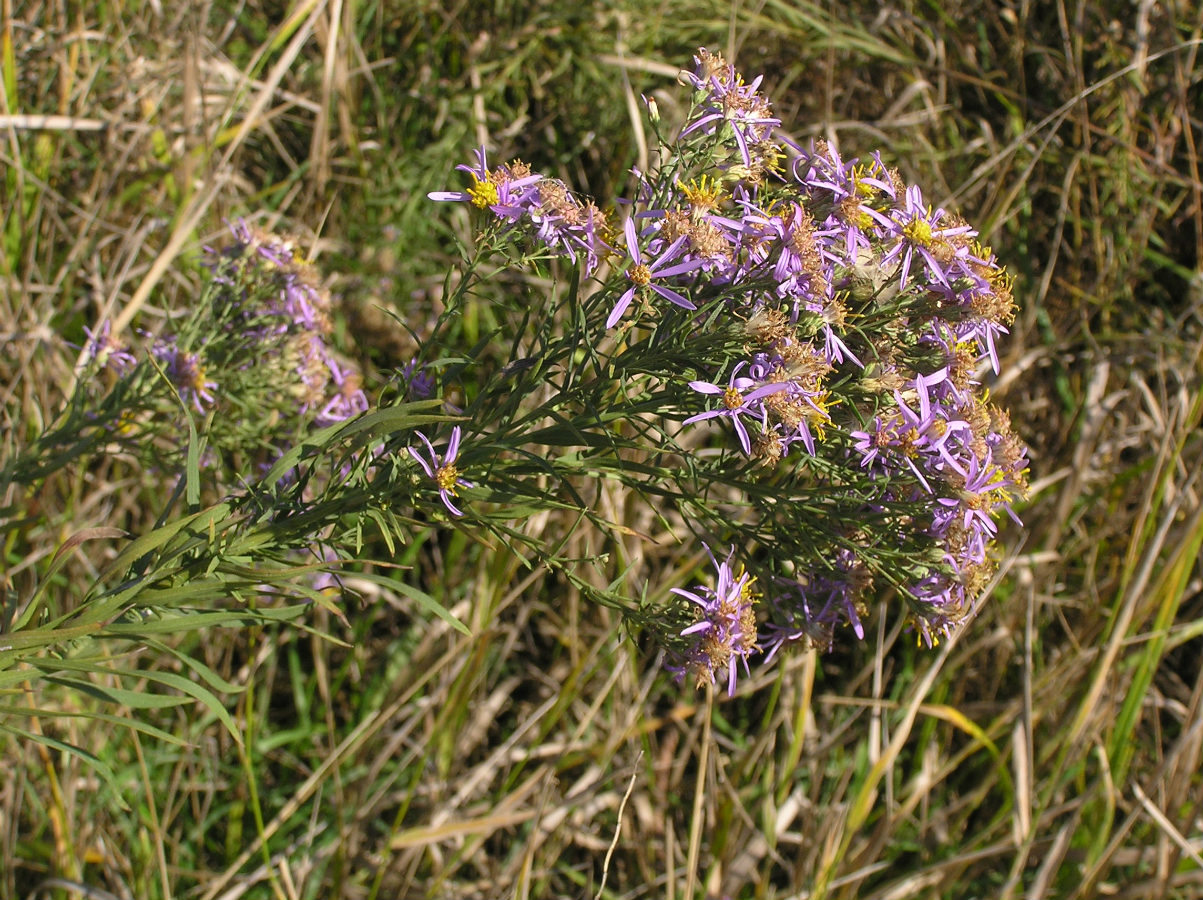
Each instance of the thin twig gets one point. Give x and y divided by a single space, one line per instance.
618 828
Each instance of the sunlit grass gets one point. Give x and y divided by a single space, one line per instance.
1052 749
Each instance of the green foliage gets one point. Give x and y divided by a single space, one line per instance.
373 748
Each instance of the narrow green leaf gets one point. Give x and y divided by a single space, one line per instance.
57 562
136 699
192 482
146 543
423 599
91 759
115 695
134 724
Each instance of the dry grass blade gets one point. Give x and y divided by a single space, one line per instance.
1051 749
300 25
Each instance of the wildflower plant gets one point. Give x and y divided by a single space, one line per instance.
779 350
764 348
272 463
250 369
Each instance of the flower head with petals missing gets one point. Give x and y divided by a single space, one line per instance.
420 383
106 351
498 190
641 274
445 474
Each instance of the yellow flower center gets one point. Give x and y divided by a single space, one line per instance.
197 382
747 593
703 192
125 422
640 275
483 193
918 231
446 478
732 399
859 187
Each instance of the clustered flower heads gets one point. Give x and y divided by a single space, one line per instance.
277 303
864 316
258 344
253 367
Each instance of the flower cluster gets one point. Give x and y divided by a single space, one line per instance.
259 341
725 634
519 198
724 103
254 361
862 317
288 318
106 351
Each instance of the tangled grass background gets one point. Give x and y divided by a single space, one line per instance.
198 700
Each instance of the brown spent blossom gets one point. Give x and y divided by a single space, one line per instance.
962 361
766 449
996 304
514 170
897 182
705 240
787 410
803 363
555 198
851 210
1011 448
976 413
767 325
708 242
676 223
714 64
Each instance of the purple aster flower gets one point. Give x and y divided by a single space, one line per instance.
497 191
810 608
804 258
822 169
106 351
870 444
349 399
640 274
725 633
980 487
981 329
186 372
942 250
304 305
919 438
563 224
848 190
445 473
942 603
513 193
419 382
799 413
736 403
